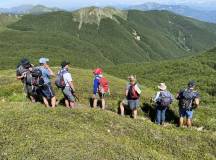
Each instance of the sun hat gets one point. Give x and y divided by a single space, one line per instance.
162 86
132 78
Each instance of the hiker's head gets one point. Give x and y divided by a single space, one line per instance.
191 84
162 86
65 64
132 78
98 71
43 61
25 63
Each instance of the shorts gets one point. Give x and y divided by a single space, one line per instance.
30 90
67 91
100 95
47 91
133 104
185 113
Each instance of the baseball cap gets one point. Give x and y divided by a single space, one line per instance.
43 60
191 83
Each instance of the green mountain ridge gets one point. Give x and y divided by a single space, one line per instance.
142 36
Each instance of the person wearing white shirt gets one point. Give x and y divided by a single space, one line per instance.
69 86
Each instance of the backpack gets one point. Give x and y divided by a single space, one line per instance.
186 99
165 99
132 93
104 85
59 82
37 79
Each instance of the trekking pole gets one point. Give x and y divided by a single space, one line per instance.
75 96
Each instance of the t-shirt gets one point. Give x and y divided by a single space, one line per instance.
67 78
46 75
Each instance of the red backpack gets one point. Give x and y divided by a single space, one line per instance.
132 93
104 85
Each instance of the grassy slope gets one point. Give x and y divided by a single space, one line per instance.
176 74
34 132
163 35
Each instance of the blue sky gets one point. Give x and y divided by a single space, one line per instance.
80 3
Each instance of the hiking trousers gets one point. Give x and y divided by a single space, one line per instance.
160 115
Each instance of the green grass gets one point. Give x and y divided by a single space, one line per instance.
34 132
31 131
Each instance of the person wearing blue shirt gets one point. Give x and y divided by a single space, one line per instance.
47 90
96 94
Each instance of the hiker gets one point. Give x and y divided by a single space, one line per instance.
23 73
65 82
188 101
100 88
46 89
132 96
163 99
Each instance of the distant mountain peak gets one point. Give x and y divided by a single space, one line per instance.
94 15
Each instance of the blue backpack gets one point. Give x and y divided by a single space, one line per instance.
165 99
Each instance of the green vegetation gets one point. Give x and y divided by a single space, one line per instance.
143 36
176 74
34 132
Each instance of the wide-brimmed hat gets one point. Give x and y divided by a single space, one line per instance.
65 63
132 78
162 86
43 60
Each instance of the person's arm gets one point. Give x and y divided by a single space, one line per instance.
72 86
156 97
51 73
197 102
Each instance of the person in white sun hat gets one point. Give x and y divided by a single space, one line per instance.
163 99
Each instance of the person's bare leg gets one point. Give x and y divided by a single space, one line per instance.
135 113
103 103
53 102
67 103
46 102
72 105
189 122
32 99
181 121
121 109
95 103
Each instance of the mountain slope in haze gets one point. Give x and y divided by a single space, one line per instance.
204 15
29 9
106 37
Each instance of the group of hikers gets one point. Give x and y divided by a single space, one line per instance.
37 85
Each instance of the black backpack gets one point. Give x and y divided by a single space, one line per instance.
186 99
37 79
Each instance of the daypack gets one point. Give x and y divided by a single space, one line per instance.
186 99
165 99
28 77
132 93
59 82
37 79
104 85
